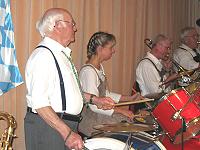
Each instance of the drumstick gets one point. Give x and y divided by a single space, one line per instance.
133 102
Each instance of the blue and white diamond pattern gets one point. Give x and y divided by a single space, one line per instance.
10 76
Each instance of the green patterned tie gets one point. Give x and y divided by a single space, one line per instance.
76 76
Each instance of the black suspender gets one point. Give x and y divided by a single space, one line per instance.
62 88
196 58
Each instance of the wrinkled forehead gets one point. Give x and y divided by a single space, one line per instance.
67 15
166 42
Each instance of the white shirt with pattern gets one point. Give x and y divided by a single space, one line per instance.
184 56
148 77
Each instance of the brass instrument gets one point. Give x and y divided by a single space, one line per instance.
148 43
8 135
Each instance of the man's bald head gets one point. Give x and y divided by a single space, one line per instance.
46 24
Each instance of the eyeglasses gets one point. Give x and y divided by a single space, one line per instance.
195 36
166 47
71 23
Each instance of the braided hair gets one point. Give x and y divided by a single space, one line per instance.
98 39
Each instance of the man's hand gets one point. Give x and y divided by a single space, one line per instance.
125 112
74 141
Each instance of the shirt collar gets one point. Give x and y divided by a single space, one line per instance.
153 58
67 51
185 47
55 46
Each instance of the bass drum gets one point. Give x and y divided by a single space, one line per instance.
191 144
103 143
168 108
139 140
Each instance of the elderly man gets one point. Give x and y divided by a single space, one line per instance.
187 55
149 72
54 96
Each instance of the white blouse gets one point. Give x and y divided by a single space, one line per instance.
90 82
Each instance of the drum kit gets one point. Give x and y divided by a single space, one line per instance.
173 123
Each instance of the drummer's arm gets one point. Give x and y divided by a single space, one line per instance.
171 78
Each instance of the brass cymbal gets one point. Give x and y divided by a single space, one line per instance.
123 127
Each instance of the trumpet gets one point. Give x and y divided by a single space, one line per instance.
148 42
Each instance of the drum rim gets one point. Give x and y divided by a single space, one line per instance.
167 95
158 143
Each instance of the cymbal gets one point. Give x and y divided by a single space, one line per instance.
123 127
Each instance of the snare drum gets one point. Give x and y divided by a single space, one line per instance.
139 140
171 104
104 143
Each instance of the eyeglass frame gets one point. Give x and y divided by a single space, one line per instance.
72 23
166 47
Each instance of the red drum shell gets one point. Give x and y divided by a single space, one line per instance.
170 104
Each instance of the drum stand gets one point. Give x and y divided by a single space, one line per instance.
182 131
128 143
138 135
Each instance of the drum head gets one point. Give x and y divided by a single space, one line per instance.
139 140
104 143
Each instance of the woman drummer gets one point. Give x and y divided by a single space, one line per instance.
100 48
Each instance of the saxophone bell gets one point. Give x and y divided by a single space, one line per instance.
7 136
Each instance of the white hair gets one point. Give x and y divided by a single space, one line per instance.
47 22
184 33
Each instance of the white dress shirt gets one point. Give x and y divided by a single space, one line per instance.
184 56
90 82
148 77
43 83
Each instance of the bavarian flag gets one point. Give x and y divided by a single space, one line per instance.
10 76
